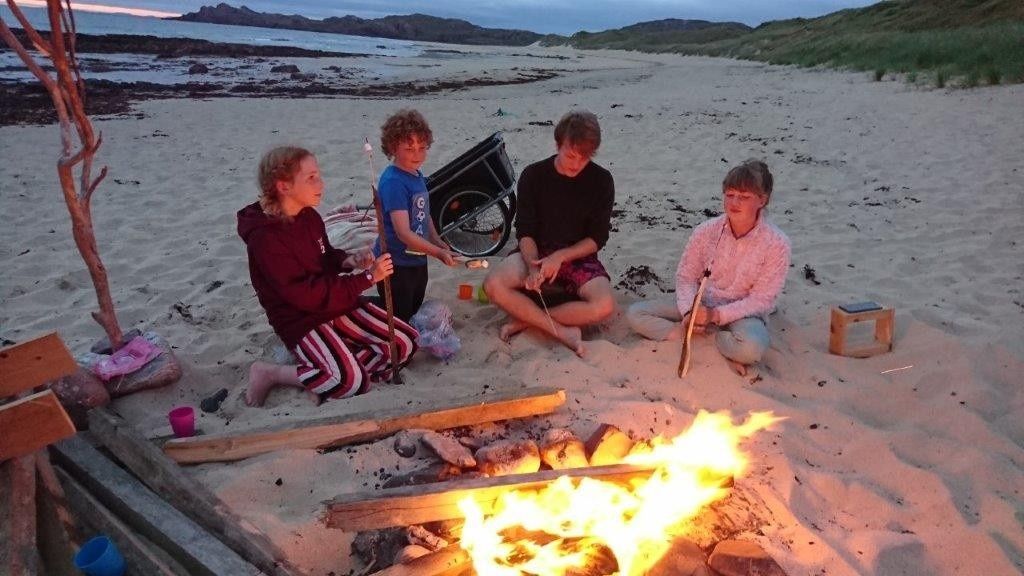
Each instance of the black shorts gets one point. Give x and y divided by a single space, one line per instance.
408 287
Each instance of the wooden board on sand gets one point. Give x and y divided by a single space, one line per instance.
340 430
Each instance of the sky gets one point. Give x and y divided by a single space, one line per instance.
544 16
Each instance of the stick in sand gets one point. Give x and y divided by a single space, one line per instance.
396 378
684 358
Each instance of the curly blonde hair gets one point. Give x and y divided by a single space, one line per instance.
400 127
280 164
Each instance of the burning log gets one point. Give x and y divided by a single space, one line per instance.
425 503
561 449
608 445
509 457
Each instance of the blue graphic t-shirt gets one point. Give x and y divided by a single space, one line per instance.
400 190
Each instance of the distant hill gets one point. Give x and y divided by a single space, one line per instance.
650 36
412 27
974 40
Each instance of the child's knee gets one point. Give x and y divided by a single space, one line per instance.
741 347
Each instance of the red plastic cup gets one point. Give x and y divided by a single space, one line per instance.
465 291
183 421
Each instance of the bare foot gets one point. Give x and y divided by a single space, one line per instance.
314 397
572 337
736 367
261 380
510 329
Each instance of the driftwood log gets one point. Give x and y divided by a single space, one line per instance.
338 431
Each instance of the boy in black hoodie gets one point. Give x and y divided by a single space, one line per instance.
311 291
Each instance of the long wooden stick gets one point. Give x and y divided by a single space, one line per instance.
684 358
338 431
439 501
395 377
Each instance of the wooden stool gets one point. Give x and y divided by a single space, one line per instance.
884 321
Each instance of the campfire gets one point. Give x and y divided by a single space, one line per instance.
636 522
610 506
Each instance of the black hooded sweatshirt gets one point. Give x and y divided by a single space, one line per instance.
295 271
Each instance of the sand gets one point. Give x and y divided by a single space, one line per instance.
909 196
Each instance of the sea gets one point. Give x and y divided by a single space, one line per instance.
99 23
147 68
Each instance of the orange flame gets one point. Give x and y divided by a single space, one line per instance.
636 523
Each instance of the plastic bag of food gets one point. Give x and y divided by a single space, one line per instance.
437 335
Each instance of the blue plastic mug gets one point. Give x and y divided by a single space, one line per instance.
100 557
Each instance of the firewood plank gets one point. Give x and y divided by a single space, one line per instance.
140 555
341 430
18 554
166 478
196 549
31 423
405 505
32 363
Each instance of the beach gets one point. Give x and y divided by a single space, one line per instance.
910 462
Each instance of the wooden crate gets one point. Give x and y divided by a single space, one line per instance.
885 321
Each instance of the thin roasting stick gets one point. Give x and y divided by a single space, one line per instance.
389 304
684 358
550 321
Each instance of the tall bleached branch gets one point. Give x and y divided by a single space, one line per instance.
79 142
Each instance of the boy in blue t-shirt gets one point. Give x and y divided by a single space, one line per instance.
405 138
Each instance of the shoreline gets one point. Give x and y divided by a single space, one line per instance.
226 70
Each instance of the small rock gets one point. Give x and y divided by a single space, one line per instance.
608 445
449 449
79 393
406 443
743 558
509 457
198 69
285 69
212 403
561 449
683 558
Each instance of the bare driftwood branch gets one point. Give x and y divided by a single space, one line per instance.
67 90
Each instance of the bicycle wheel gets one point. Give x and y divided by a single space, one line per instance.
483 231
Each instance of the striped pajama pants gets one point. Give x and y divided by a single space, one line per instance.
340 358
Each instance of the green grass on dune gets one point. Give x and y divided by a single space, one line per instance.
996 50
966 42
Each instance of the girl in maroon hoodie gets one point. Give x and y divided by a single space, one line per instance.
311 290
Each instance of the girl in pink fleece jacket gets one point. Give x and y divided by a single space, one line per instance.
748 257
